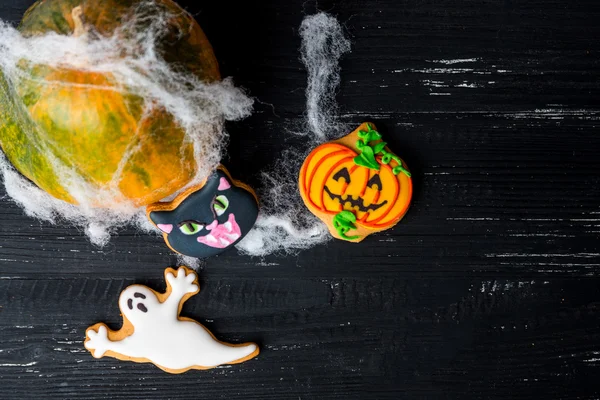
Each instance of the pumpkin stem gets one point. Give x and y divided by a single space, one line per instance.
77 15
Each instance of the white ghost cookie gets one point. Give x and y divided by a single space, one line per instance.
154 332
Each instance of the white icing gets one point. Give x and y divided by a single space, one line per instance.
160 336
211 238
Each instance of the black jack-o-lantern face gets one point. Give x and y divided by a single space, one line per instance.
366 192
358 203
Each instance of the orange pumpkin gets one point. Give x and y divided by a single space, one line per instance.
352 199
89 124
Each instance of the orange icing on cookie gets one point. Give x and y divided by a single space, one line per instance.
331 181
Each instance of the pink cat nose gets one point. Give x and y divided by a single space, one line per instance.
212 225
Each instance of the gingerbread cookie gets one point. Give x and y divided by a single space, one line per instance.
356 185
154 332
207 219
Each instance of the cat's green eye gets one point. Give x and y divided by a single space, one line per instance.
190 227
220 204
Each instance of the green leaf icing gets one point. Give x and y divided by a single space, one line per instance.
367 155
344 222
378 148
367 158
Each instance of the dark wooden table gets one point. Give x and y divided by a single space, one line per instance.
488 289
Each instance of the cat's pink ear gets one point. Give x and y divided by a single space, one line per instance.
224 184
166 228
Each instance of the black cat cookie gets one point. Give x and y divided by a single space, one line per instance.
207 219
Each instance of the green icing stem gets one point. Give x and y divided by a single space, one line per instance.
367 155
344 222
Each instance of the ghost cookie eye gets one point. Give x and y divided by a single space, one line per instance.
220 204
190 227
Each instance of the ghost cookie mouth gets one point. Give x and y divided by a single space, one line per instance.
221 235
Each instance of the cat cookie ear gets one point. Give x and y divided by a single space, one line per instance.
224 183
166 228
161 220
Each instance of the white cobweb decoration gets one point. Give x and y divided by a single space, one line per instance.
199 108
284 223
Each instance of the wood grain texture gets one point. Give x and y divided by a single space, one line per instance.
489 288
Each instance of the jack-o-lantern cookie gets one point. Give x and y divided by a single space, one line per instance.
207 219
356 185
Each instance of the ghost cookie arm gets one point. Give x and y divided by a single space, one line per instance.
179 285
98 343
